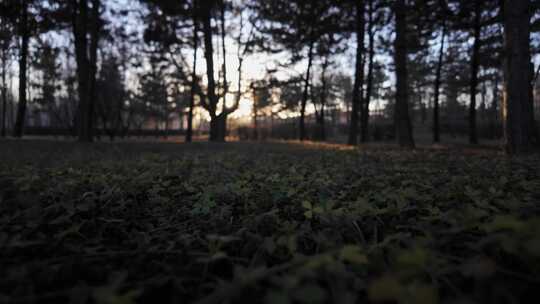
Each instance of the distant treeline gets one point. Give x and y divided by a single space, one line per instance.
132 64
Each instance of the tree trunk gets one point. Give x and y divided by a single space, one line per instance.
535 136
189 133
255 117
483 103
322 124
11 106
209 58
23 58
493 115
92 91
517 133
305 94
214 128
222 134
358 74
436 123
80 30
4 92
475 65
321 117
166 133
364 121
402 121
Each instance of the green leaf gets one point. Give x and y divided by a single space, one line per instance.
307 205
106 295
318 210
504 222
310 294
276 297
423 294
318 261
416 257
291 244
386 288
353 254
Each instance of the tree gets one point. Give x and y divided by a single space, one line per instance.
262 98
290 93
329 46
47 67
111 96
332 90
472 18
86 24
29 18
24 34
172 27
65 114
290 25
154 96
194 80
6 43
402 121
475 63
245 47
212 98
358 91
518 78
344 88
322 90
438 73
371 32
202 14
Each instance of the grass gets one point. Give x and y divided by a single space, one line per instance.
266 222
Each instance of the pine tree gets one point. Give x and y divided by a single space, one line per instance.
518 77
86 24
402 120
48 67
111 96
358 86
6 44
290 26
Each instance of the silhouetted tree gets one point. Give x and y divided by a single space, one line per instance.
518 77
111 96
24 33
402 121
291 25
86 25
47 67
6 44
443 14
472 18
358 86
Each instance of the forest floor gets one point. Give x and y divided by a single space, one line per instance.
266 223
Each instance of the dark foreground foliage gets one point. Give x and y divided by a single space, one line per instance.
265 223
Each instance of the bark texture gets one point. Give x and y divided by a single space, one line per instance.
516 102
402 121
364 119
305 95
436 93
475 65
24 33
358 74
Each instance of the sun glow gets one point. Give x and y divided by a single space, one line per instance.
244 109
